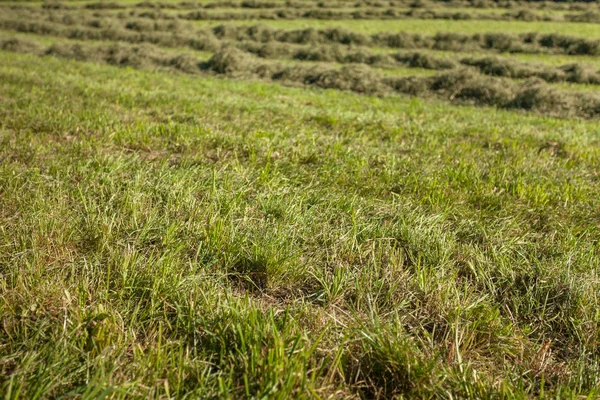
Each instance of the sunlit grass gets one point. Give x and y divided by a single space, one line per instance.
238 238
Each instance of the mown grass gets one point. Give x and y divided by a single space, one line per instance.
164 235
555 59
429 27
158 29
50 40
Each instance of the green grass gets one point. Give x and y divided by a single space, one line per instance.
166 236
429 27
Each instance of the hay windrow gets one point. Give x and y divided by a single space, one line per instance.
330 45
497 42
340 9
362 13
490 65
142 56
293 11
458 85
523 10
174 32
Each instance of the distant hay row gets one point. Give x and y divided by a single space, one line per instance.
176 33
533 43
336 4
386 14
326 11
332 45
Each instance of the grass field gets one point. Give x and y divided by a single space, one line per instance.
195 212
